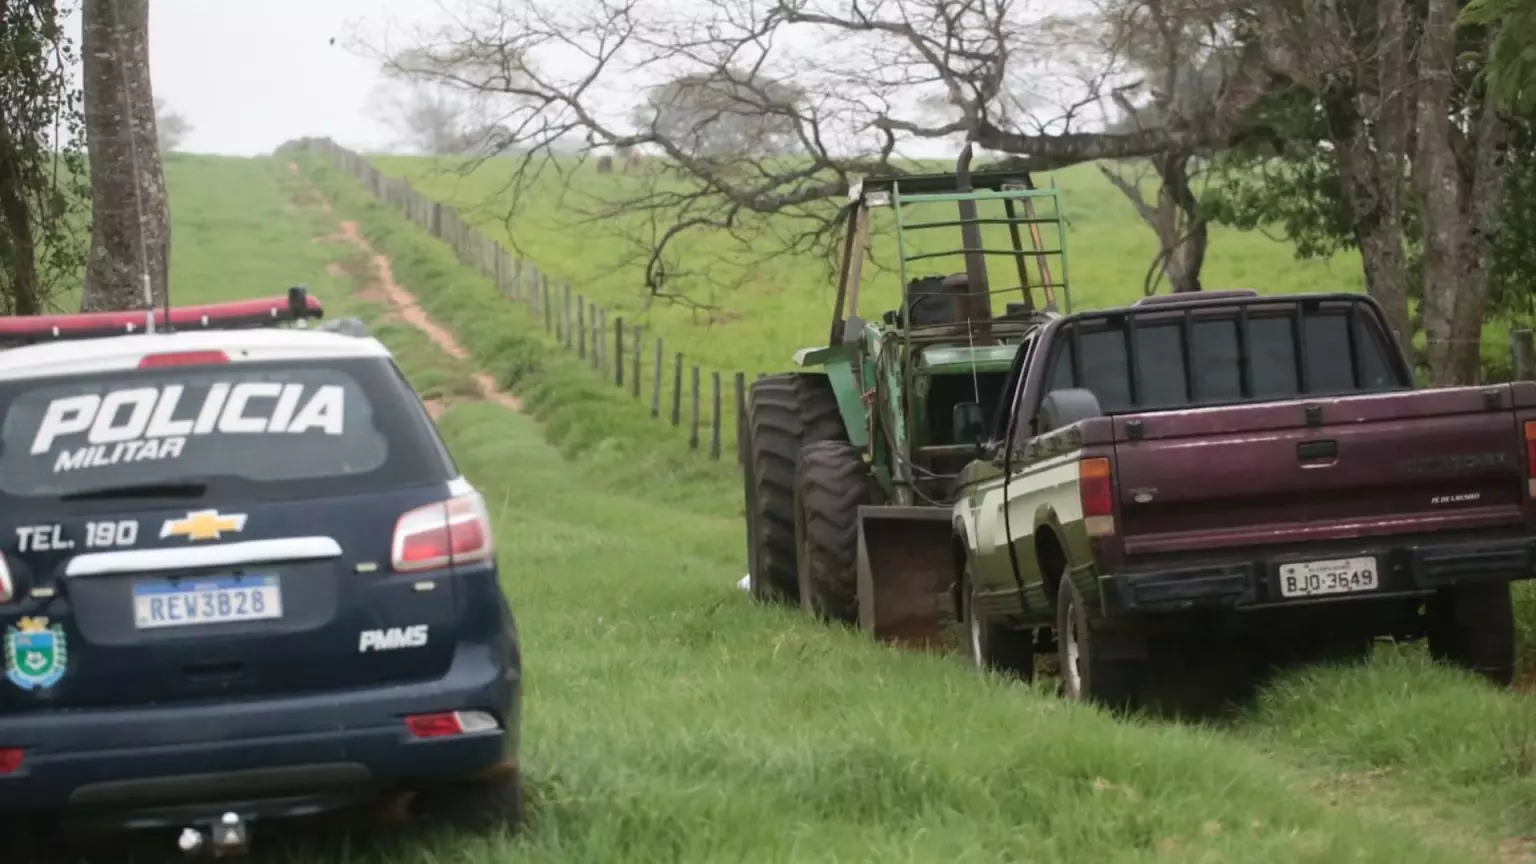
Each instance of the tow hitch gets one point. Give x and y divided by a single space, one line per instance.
228 837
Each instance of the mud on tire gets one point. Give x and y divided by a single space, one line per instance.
784 413
831 482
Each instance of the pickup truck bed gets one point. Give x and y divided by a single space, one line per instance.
1254 470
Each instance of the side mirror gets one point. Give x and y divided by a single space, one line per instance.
967 426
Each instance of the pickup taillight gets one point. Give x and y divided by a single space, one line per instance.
443 534
1097 490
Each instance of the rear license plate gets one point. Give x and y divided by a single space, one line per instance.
1339 576
209 600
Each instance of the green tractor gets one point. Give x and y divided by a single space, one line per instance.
850 461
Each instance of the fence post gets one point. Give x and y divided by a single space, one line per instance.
1522 354
656 386
566 313
677 390
581 327
634 369
714 432
599 337
618 351
693 434
544 299
741 418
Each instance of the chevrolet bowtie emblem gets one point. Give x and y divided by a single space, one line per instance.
203 525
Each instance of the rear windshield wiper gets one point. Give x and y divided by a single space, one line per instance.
158 489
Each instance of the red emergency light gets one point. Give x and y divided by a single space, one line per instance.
265 312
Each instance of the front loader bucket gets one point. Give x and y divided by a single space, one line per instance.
905 572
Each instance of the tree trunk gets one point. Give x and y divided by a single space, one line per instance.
1458 195
1372 193
130 214
1184 250
18 246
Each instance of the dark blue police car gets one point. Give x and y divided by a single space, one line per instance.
241 579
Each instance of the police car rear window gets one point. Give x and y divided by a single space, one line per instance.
260 430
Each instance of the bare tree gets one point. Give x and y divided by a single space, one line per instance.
873 79
723 117
171 127
1176 47
130 214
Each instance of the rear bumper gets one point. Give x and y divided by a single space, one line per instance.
269 757
1407 569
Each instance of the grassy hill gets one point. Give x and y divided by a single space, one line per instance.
669 719
771 303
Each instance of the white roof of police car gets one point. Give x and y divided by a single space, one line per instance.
121 353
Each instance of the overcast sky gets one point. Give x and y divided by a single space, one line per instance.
249 75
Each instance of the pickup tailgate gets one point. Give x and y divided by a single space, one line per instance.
1319 469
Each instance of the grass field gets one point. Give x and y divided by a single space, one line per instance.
669 719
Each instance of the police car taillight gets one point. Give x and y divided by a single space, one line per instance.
182 358
447 725
7 583
456 531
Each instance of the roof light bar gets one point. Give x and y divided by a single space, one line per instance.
297 305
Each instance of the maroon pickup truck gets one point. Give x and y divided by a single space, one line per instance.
1199 480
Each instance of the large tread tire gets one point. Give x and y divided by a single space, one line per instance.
831 482
1473 626
784 413
1086 674
993 648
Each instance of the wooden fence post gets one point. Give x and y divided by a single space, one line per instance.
656 386
581 327
677 390
693 434
634 369
599 337
618 351
1522 355
567 314
714 432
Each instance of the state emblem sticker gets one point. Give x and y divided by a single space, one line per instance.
36 655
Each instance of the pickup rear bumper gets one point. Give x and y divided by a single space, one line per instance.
1405 569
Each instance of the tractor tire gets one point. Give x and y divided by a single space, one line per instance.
784 413
1473 626
1087 675
1007 652
830 484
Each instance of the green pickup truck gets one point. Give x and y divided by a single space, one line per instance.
1197 488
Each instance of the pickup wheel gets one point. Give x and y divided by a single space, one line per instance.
995 649
1473 626
784 413
1086 674
830 484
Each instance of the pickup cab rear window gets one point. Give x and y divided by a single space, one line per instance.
244 431
1221 357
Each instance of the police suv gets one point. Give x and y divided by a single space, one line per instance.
241 579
